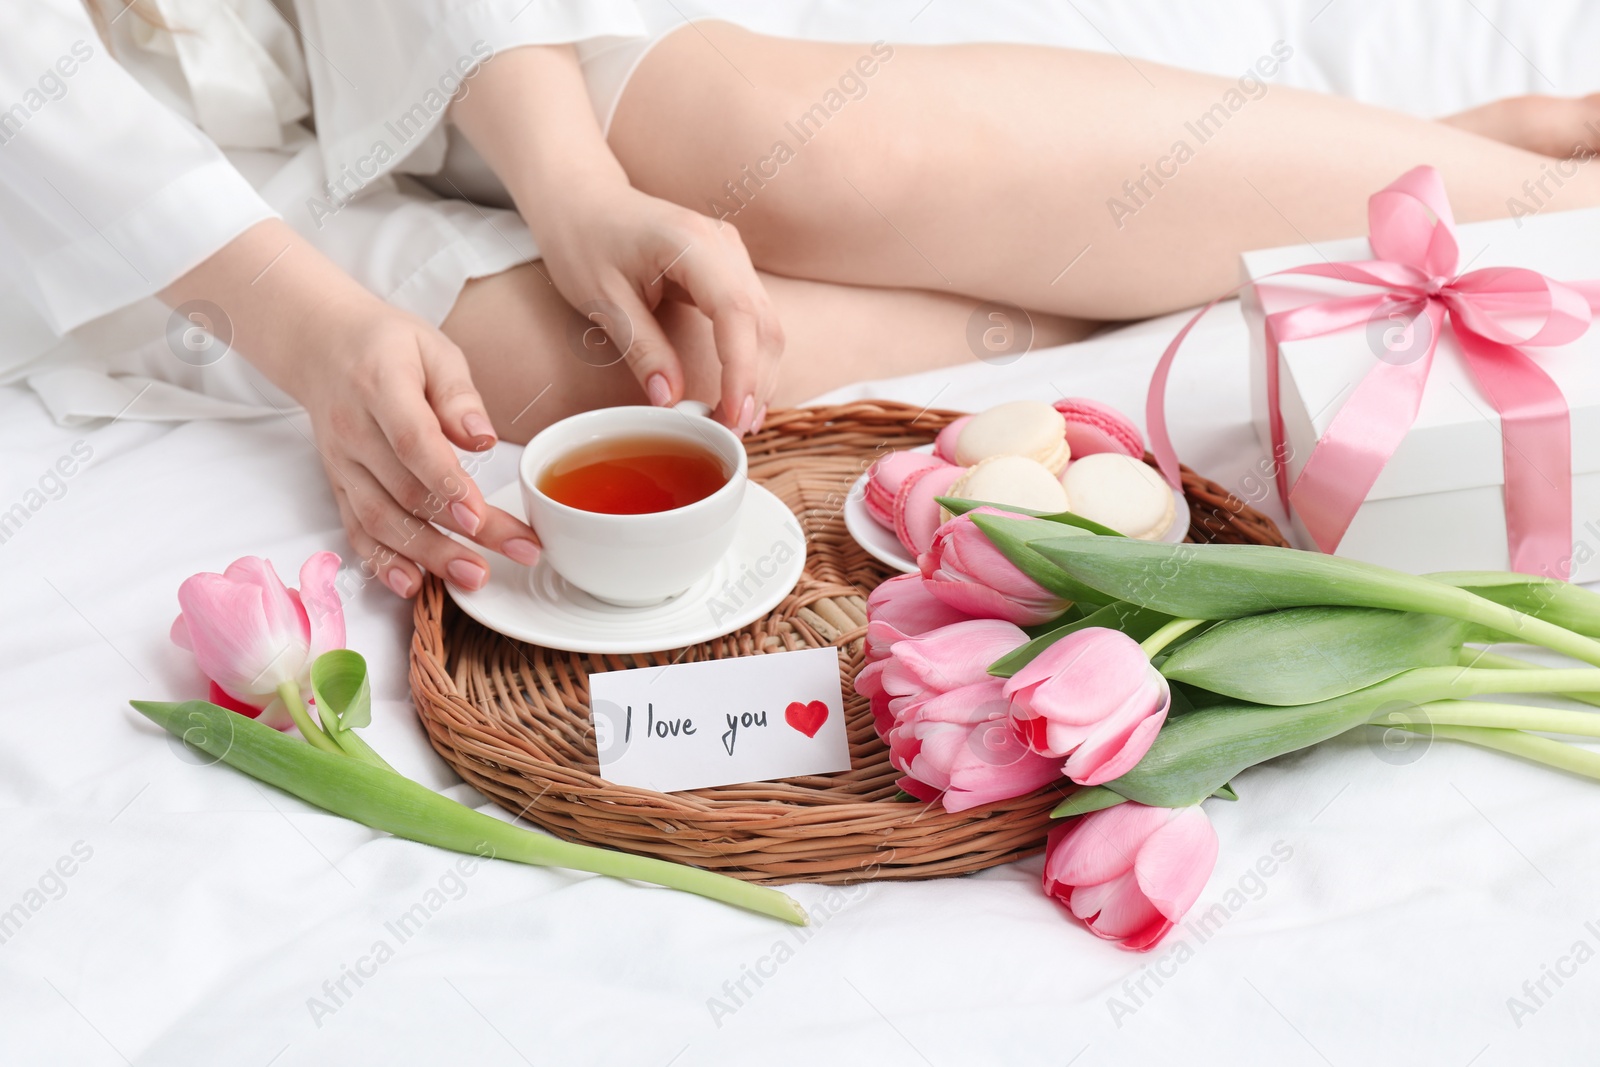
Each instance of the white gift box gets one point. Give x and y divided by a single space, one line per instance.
1439 504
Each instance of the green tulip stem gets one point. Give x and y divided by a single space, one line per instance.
1509 717
1543 750
289 693
1169 633
1514 624
1477 681
395 804
1482 657
1447 683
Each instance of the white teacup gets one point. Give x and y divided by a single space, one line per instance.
633 560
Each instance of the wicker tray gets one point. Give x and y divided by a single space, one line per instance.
513 718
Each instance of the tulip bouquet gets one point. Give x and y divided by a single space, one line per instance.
1143 677
269 652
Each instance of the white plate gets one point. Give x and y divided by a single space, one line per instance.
881 543
538 606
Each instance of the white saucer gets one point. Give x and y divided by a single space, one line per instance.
882 544
539 606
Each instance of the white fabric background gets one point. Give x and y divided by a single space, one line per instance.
1418 896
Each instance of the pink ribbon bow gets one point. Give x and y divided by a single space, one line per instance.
1492 311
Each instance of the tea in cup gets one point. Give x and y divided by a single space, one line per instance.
634 504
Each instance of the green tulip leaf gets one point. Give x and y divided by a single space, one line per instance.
1231 581
956 505
1097 798
344 697
1138 623
1087 799
1015 538
1303 655
1073 613
1186 699
1199 753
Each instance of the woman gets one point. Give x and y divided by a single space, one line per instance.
736 218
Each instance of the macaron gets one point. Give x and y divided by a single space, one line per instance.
917 513
887 475
1093 428
1016 481
1121 492
1028 428
944 446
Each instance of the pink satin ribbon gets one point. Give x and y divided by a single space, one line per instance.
1492 312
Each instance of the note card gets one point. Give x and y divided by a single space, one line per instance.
718 722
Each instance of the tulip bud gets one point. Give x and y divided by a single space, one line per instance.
1093 697
250 634
940 660
964 569
956 748
903 607
1130 872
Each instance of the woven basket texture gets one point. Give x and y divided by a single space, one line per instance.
513 718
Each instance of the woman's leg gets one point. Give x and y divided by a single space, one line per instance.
534 359
1562 127
1079 183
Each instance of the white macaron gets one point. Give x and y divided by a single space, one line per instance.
1016 481
1028 428
1121 492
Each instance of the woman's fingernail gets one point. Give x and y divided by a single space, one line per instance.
399 581
747 414
522 550
657 389
761 418
465 573
464 518
478 426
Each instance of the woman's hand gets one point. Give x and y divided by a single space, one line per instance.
613 252
388 396
619 250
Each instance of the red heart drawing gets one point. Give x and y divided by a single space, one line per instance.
807 718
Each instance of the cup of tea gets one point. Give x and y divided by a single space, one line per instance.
634 504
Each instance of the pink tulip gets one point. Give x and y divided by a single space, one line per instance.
1130 872
869 683
250 634
964 569
957 748
1093 697
944 716
903 607
938 661
897 609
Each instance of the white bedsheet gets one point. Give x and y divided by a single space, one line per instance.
203 913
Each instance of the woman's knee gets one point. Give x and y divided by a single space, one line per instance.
534 359
791 162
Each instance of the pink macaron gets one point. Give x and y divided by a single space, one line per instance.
886 477
944 446
1093 427
917 511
